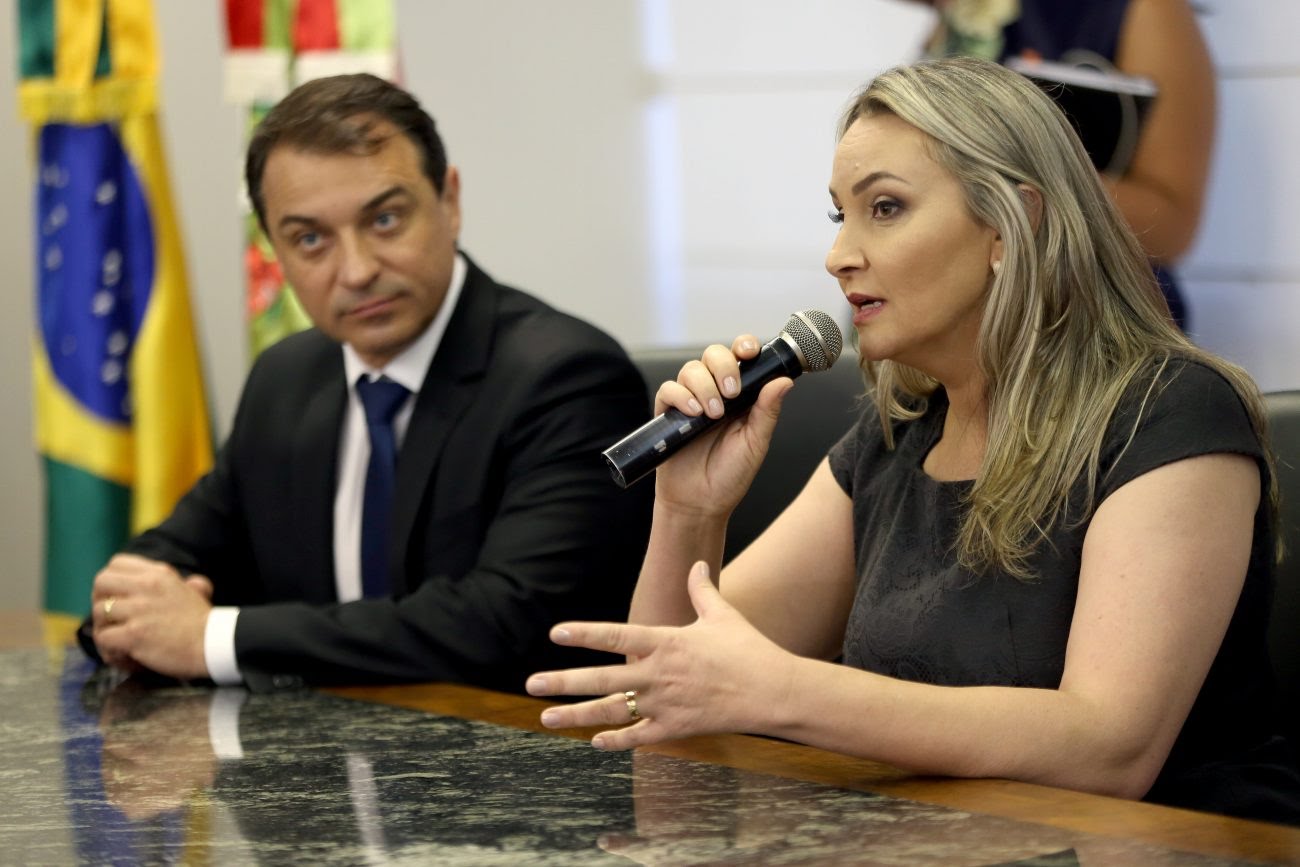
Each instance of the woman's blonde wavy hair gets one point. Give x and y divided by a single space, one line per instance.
1072 318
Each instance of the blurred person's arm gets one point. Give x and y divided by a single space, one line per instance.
1162 192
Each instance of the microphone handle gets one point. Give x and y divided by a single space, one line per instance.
640 452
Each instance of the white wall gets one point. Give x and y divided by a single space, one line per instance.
658 166
754 110
20 493
1243 277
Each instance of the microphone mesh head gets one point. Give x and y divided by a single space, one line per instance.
818 337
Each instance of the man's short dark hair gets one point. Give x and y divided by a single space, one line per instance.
339 115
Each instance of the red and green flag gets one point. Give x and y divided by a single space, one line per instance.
273 46
121 416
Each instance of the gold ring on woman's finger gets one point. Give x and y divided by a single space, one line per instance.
630 695
108 606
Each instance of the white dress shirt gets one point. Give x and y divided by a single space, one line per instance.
407 368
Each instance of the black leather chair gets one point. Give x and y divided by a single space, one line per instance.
1284 624
816 413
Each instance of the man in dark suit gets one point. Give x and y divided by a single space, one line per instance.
502 519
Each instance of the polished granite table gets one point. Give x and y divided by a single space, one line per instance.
99 770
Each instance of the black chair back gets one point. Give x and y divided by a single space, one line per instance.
817 412
1284 623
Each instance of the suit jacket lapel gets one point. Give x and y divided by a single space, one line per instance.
448 388
315 478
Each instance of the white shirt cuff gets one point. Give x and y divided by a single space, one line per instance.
219 646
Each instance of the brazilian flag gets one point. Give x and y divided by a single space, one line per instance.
121 417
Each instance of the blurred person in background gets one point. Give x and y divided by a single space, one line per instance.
1161 190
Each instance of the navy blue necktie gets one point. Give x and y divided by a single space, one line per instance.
381 399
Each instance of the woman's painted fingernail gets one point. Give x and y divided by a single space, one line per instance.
729 386
715 407
695 406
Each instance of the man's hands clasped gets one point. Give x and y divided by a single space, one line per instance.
145 615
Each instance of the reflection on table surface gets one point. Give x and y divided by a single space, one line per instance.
100 770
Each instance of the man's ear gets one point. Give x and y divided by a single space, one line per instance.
1033 202
451 186
450 198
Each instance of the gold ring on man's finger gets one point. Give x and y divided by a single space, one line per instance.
108 606
630 695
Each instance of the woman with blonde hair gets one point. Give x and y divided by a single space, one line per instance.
1043 552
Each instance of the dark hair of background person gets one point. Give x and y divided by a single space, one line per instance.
338 115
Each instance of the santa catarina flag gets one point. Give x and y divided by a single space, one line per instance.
275 45
121 416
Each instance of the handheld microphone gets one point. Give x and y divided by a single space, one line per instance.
810 341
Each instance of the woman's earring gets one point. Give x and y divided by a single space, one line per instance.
997 267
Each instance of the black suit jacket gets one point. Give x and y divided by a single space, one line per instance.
505 521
